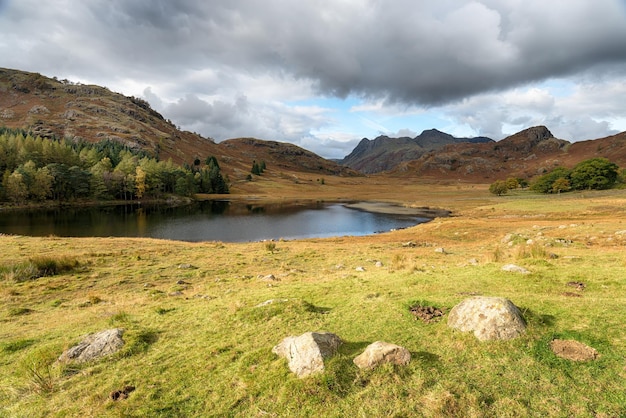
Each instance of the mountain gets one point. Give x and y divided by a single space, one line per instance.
53 108
384 153
525 154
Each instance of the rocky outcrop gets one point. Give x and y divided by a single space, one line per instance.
489 318
306 353
95 346
379 353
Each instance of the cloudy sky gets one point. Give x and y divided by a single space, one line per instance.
325 73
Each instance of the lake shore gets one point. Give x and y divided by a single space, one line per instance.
395 209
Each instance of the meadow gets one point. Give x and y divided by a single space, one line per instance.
199 335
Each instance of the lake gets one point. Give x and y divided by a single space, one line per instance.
206 221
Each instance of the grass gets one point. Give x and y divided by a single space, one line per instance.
207 351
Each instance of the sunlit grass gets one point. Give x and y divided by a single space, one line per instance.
202 347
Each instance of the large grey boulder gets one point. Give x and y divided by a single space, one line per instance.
95 346
306 353
381 352
490 318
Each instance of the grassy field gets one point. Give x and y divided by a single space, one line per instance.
198 344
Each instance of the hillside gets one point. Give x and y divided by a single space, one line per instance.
49 108
384 153
525 154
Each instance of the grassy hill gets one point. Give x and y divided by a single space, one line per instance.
53 108
199 344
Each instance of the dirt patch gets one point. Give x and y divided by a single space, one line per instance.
573 350
427 314
577 285
572 295
118 395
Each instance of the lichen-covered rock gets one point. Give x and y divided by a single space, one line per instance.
515 269
490 318
381 352
95 346
306 353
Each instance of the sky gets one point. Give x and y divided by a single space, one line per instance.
323 74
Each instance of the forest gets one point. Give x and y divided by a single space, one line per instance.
35 169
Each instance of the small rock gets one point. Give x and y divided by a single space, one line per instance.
490 318
177 293
269 278
306 353
379 353
473 262
182 282
379 264
440 250
408 244
95 346
148 285
360 268
514 269
186 266
271 301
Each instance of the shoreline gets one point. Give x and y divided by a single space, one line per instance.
395 209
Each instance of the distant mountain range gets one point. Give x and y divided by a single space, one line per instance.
384 153
49 108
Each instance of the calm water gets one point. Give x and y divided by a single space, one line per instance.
206 221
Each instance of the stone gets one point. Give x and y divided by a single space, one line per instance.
379 264
514 269
381 352
440 250
95 346
573 350
490 318
360 268
306 353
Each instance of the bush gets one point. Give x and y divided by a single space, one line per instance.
499 187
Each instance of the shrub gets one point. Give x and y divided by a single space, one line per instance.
499 187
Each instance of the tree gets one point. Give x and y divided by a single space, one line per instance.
499 187
596 173
561 185
15 188
512 183
140 182
256 169
545 183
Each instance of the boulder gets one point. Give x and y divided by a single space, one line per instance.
490 318
95 346
306 353
514 269
381 352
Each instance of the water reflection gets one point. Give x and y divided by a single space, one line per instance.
205 221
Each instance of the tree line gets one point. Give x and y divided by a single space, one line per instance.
592 174
39 170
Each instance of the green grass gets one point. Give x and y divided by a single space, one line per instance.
208 351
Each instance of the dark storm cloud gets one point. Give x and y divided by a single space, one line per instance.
199 58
